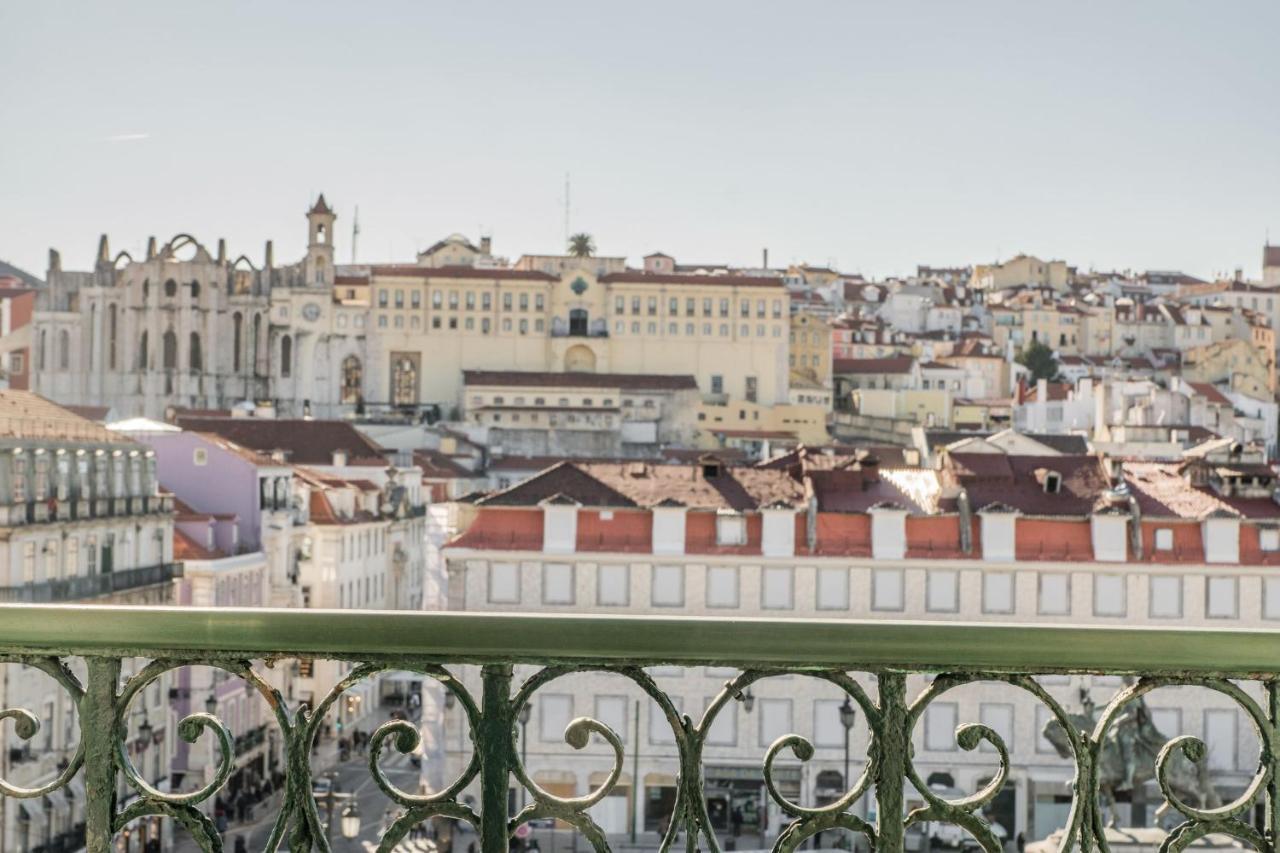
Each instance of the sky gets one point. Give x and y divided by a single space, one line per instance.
869 136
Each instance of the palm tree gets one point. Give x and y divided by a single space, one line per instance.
581 245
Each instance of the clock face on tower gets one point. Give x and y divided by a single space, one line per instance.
311 311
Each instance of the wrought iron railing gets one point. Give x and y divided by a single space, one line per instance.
881 654
82 587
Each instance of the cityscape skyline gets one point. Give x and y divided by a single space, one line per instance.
914 135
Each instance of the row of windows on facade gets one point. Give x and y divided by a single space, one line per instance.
691 329
538 326
485 302
709 307
775 718
357 546
103 474
80 559
562 402
363 592
1165 593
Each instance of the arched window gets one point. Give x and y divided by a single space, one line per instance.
286 356
352 374
170 350
194 356
170 288
404 382
42 352
237 325
112 331
64 350
142 352
146 289
253 344
93 334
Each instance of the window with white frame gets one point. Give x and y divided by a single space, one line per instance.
668 586
613 585
555 710
724 729
940 726
1165 597
1054 593
775 719
827 728
886 589
722 586
731 529
1164 539
557 583
997 716
1271 598
997 592
777 588
1109 595
1269 539
504 583
612 711
942 591
832 588
1221 598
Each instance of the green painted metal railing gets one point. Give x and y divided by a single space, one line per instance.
47 637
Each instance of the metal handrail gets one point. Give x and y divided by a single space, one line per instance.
915 646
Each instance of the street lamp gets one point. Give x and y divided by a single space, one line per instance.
848 716
748 701
211 703
525 713
350 821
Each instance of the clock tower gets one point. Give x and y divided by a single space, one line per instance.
319 263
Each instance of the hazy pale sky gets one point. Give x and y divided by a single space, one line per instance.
874 136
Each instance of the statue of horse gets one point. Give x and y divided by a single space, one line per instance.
1128 756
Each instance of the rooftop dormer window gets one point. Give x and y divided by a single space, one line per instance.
1052 482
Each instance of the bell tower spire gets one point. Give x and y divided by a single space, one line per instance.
319 264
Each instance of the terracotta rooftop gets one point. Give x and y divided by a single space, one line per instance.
307 442
899 364
640 484
26 415
1162 491
1021 482
1210 393
186 548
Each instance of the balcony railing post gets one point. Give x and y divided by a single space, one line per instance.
893 745
98 728
496 743
1272 818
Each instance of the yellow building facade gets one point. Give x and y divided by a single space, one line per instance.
427 325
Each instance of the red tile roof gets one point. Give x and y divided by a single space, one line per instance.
307 442
1210 393
640 484
186 548
899 364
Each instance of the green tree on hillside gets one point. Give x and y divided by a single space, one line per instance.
1038 358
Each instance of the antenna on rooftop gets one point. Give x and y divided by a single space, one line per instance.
566 208
355 233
